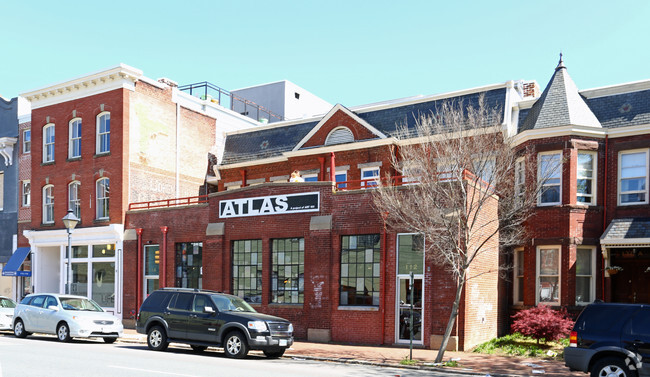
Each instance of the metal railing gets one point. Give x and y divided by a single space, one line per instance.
163 203
210 92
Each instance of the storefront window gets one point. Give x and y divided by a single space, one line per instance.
104 283
411 254
360 260
151 268
247 270
287 280
93 272
189 265
79 279
103 251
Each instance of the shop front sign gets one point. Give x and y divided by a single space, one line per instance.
270 205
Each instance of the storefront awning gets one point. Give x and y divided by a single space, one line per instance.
16 260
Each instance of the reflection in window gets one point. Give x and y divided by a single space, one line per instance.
189 265
287 280
247 270
360 259
548 278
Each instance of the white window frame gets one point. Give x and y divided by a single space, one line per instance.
101 199
620 192
538 276
72 139
308 177
340 172
592 276
593 178
99 134
46 144
377 177
26 193
27 141
75 205
48 205
519 258
487 172
542 179
520 178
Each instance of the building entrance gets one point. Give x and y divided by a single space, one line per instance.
630 285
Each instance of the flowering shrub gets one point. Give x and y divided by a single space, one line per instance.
542 322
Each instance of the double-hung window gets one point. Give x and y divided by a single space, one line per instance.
102 198
585 280
369 176
520 178
74 150
27 141
48 204
550 175
103 136
310 177
586 178
518 294
548 275
26 193
48 143
341 176
74 198
633 177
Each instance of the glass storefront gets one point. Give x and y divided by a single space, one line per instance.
93 272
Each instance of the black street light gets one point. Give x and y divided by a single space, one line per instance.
70 221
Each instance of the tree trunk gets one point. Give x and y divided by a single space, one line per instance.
452 318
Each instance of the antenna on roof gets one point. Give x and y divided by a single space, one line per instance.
560 64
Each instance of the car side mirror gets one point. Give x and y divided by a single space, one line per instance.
208 309
53 307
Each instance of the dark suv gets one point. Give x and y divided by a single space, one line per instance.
611 340
204 318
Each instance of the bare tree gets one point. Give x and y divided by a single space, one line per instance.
457 162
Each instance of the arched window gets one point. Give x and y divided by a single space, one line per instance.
339 135
74 198
48 143
48 204
102 198
103 133
74 141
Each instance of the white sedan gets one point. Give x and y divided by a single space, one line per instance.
65 316
7 306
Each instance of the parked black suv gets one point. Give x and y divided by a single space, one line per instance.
611 340
204 318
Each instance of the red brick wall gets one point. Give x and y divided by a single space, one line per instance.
24 173
339 119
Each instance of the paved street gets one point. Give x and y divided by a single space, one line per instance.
44 356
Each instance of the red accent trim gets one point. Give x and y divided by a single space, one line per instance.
322 169
332 168
243 178
163 269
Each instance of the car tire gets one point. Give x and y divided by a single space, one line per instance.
19 329
235 345
611 366
157 339
274 354
110 340
63 333
199 348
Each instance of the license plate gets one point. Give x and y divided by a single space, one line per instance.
283 342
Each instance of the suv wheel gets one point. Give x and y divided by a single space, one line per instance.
274 354
19 329
157 339
235 345
63 332
611 367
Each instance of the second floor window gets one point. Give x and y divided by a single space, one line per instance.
372 174
27 141
550 176
103 133
48 143
75 139
102 198
586 183
48 204
520 178
74 201
26 193
633 177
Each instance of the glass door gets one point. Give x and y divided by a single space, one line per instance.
409 306
408 312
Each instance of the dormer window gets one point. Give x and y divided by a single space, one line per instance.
339 135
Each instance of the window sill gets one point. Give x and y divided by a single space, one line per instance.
47 163
47 224
102 154
632 204
70 159
360 308
287 306
101 221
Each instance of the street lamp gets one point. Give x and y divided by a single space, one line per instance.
70 221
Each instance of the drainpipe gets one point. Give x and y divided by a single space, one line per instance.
138 271
163 276
243 177
322 168
602 275
333 168
178 135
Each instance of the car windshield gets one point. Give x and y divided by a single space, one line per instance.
76 303
231 303
7 303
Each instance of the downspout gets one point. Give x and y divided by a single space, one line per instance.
163 276
333 168
602 275
178 135
321 176
138 270
243 177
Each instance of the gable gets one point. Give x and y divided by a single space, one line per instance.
337 120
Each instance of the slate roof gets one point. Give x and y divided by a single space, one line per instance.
560 105
273 141
628 228
622 110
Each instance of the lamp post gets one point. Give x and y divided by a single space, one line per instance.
70 221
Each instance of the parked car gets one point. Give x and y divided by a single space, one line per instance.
204 318
611 340
66 316
7 306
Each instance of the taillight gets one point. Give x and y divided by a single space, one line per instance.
573 339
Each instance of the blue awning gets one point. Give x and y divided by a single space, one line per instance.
16 260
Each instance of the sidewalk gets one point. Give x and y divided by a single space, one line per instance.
469 363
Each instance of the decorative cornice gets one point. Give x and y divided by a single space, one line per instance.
121 76
7 149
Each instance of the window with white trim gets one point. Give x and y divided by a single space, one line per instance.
341 176
586 178
103 144
549 173
520 178
74 198
518 281
370 173
48 204
633 177
585 280
26 193
102 198
310 177
48 143
74 141
27 141
548 275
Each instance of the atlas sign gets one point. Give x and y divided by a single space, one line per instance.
270 205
